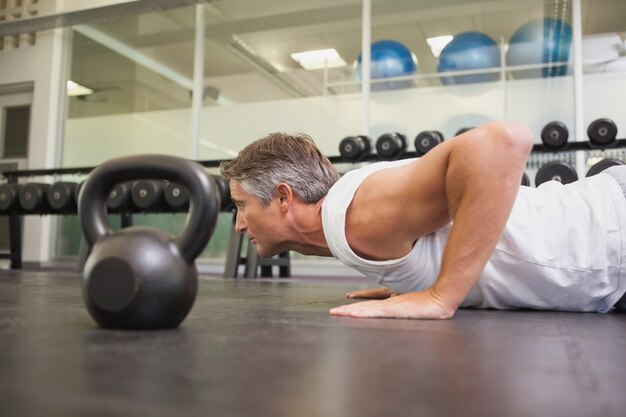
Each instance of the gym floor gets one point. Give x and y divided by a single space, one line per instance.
268 347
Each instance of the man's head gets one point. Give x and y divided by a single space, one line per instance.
281 158
269 179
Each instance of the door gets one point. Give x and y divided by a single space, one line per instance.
14 137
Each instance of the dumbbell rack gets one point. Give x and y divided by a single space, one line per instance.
252 261
15 219
537 148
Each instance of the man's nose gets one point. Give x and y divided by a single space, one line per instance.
240 223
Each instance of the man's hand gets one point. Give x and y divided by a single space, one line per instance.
372 294
415 305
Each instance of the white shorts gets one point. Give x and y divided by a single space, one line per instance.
619 173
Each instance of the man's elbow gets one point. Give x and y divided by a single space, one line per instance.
514 138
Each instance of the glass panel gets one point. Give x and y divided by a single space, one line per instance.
604 67
139 70
475 62
255 86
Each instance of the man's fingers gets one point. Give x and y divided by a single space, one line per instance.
362 309
371 294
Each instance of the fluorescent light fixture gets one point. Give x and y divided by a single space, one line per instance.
437 44
75 89
319 59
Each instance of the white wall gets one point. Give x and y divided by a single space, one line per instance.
43 65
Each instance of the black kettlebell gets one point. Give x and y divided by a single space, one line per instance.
142 277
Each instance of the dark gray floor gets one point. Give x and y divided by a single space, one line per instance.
269 348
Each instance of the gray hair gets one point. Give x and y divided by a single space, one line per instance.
279 157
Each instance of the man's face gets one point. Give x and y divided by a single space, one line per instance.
261 223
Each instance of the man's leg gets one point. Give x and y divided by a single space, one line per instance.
619 173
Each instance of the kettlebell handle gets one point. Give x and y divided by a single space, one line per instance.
203 197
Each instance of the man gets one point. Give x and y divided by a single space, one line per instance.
451 229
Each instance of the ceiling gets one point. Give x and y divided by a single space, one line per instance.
248 45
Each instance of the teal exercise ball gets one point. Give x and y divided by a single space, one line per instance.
542 41
389 58
469 51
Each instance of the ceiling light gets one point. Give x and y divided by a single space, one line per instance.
437 43
75 89
319 59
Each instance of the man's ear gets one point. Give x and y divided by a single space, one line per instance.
284 193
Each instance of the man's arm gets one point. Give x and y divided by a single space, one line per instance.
474 179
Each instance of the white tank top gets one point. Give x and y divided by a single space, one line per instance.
561 248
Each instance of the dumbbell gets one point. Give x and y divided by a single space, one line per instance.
556 171
602 165
176 196
390 146
602 133
9 198
426 140
224 193
147 195
463 130
119 199
355 148
554 135
61 197
32 197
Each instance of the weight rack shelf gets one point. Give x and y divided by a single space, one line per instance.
537 148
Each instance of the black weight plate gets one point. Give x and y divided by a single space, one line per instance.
525 180
224 191
425 141
556 171
33 196
390 146
176 196
147 194
61 195
602 132
554 135
602 165
354 148
119 197
9 197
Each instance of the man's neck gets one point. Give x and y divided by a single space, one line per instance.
310 238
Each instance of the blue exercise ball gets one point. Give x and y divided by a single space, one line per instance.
542 41
469 51
389 58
